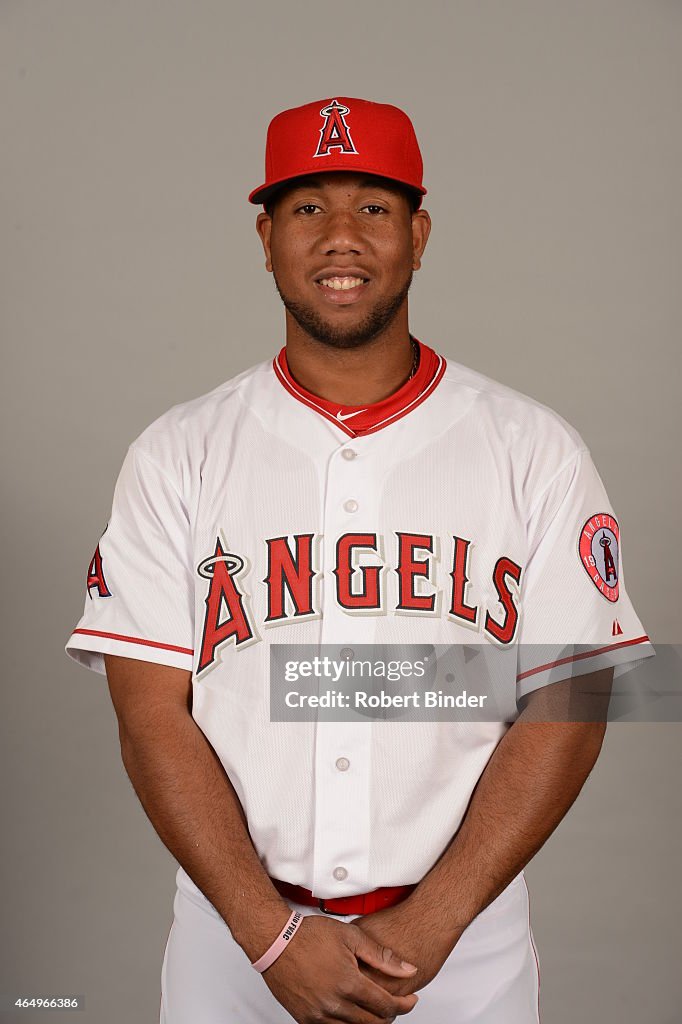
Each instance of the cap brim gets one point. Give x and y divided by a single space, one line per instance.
265 192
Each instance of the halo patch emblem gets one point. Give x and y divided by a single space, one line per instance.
598 546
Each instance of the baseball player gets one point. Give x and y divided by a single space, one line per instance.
359 488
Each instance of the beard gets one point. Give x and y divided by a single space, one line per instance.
355 335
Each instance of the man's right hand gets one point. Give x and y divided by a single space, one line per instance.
318 980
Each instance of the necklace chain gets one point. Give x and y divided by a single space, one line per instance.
415 357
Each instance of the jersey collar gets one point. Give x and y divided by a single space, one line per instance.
355 420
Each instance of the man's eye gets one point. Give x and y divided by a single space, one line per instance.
309 207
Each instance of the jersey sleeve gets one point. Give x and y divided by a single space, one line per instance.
139 599
576 616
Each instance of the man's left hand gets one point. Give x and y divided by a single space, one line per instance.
415 937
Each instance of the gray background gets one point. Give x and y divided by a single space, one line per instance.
132 279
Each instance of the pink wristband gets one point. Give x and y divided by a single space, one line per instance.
279 945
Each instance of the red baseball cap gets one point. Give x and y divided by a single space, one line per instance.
341 134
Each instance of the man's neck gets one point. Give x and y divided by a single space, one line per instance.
359 376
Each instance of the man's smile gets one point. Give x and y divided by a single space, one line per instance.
344 283
342 290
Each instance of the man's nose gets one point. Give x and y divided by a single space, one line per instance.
341 233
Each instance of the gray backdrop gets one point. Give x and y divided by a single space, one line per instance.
132 279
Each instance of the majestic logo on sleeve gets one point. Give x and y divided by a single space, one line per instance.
335 133
96 579
598 546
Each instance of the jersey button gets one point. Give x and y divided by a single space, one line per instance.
340 874
349 453
351 505
347 653
343 764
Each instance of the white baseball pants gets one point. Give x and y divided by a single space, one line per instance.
491 976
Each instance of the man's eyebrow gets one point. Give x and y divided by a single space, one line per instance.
303 183
370 182
378 182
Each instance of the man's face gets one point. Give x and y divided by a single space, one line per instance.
342 248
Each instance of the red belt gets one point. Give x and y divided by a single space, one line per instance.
363 903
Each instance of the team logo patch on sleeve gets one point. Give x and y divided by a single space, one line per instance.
95 578
598 546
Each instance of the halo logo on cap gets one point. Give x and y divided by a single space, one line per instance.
341 133
335 133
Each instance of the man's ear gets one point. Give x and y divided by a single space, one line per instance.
264 227
421 229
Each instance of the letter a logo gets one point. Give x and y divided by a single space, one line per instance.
335 133
95 577
225 616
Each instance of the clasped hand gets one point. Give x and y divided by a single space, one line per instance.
334 971
411 934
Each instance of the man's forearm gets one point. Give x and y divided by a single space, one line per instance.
533 777
192 804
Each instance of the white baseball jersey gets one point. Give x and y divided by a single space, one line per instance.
457 510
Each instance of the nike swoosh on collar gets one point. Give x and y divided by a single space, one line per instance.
341 416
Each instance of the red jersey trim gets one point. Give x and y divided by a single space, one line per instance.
320 405
135 640
294 389
581 656
421 397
